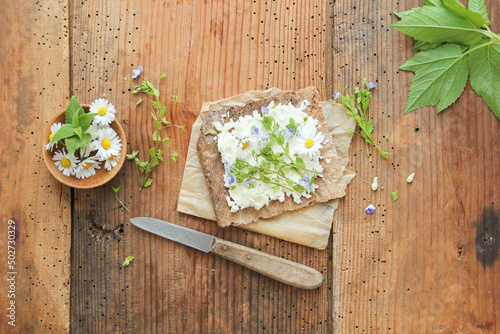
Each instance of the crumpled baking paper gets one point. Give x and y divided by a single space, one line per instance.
309 226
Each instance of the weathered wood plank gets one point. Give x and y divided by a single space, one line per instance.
416 263
209 50
34 49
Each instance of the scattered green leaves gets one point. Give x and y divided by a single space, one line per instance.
394 196
116 190
127 261
358 108
455 43
159 136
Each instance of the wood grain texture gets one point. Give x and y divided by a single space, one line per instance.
34 70
209 50
429 261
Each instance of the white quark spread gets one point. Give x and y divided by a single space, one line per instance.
242 141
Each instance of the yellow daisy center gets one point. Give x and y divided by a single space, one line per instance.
51 137
65 162
106 143
111 157
102 111
309 143
87 165
244 144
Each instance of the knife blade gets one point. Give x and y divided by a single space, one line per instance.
285 271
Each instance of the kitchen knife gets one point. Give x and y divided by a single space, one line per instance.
292 273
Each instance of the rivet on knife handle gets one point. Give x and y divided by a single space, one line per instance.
285 271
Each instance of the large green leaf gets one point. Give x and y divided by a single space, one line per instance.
86 120
64 132
72 108
479 6
435 3
474 18
440 77
74 142
424 46
439 25
484 70
406 12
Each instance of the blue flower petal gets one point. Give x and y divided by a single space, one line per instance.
370 208
264 110
371 84
336 95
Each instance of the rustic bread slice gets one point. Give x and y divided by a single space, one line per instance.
213 167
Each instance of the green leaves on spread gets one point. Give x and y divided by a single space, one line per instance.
456 43
485 75
440 77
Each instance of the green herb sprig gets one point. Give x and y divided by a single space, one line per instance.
159 136
454 43
358 108
74 131
270 166
116 190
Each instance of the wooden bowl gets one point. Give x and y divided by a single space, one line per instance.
102 175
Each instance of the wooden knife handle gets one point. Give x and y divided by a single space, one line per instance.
292 273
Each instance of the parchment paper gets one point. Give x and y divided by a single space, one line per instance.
309 226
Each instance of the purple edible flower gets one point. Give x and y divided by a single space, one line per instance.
227 166
247 182
263 138
305 183
137 72
336 95
371 84
264 110
256 131
289 133
231 178
370 208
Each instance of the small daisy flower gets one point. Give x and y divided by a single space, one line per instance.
53 129
308 141
87 168
137 72
371 84
105 112
112 161
336 95
65 162
93 130
247 145
107 143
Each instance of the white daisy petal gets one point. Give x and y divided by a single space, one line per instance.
53 130
87 168
65 162
105 112
107 144
112 161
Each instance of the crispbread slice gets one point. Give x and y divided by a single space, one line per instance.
213 168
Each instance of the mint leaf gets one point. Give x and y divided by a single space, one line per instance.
435 3
424 46
484 69
75 121
406 12
440 77
440 25
72 108
85 121
79 132
64 132
479 6
474 18
74 142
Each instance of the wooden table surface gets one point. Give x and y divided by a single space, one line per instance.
425 263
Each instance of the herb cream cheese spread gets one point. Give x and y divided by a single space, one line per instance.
271 154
